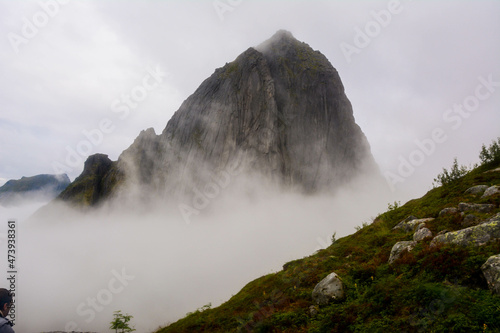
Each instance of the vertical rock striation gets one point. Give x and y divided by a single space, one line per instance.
279 110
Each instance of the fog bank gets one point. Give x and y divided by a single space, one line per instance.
157 266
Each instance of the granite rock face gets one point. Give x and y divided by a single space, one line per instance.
279 110
97 181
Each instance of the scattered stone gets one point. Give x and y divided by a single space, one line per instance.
491 271
491 191
448 211
422 234
478 189
475 236
493 170
331 288
399 248
412 225
469 220
313 310
471 207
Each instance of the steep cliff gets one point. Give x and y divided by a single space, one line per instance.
279 111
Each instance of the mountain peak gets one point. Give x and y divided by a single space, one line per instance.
283 35
279 110
282 38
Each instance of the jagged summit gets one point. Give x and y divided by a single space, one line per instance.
280 37
278 110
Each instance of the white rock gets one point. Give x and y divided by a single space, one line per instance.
331 288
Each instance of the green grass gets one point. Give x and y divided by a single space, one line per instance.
430 289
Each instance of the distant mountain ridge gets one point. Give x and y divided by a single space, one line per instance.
278 111
40 188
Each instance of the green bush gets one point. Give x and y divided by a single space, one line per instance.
456 172
490 154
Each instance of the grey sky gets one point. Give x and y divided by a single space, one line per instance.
422 60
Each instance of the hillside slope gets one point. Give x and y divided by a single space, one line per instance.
436 287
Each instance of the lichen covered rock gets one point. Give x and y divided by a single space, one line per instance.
472 207
448 211
472 236
491 271
491 191
478 189
331 288
411 225
399 248
422 234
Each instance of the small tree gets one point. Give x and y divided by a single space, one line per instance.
490 154
120 322
455 173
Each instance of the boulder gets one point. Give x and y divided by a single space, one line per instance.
448 211
412 225
475 236
471 207
469 220
493 170
331 288
478 189
491 191
399 248
422 234
491 271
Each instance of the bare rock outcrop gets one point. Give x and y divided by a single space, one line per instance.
472 236
331 288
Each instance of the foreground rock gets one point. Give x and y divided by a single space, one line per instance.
475 236
491 271
410 224
448 211
471 207
422 234
478 189
399 248
331 288
491 191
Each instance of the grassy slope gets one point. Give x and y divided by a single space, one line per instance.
438 289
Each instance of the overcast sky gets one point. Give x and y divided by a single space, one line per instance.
67 67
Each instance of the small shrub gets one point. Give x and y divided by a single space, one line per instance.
490 154
456 172
120 322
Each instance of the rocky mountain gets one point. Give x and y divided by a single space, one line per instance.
278 111
36 188
430 265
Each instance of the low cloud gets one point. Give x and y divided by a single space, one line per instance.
121 258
